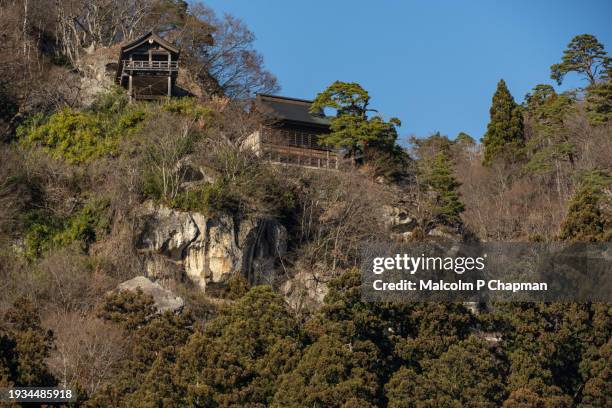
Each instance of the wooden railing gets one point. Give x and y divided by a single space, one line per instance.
266 143
299 156
292 138
150 65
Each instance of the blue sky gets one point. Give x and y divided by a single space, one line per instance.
433 64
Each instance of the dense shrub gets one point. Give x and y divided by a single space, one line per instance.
80 136
74 136
188 107
208 198
85 226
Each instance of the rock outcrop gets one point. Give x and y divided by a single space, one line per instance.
209 249
97 67
398 221
163 298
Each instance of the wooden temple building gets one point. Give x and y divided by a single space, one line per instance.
289 133
148 67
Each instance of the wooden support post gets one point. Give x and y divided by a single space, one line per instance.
169 76
130 87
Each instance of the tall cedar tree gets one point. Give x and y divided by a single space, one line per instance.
351 128
438 178
505 137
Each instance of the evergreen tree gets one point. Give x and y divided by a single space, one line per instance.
599 99
584 55
467 375
588 218
237 358
351 128
550 144
504 138
597 390
438 179
24 347
329 374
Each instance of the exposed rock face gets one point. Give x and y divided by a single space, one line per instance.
209 249
399 222
164 299
306 290
98 67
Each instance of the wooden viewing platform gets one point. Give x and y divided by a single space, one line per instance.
291 147
150 65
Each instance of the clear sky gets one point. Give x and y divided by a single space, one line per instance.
433 64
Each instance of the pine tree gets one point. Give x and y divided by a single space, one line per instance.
599 100
550 148
351 128
505 137
584 55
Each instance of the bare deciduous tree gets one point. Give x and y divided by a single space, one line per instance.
87 350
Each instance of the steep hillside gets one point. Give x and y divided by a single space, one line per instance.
148 259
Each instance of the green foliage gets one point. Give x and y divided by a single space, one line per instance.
588 219
545 343
130 309
504 139
550 143
87 225
236 288
464 139
599 102
24 346
147 377
584 55
208 198
597 391
81 136
329 374
188 107
351 128
233 369
74 136
438 179
113 101
469 374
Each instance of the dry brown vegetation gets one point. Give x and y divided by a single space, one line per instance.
508 203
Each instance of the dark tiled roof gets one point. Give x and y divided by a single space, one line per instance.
145 37
289 109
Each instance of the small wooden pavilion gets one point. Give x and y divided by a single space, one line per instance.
148 67
290 134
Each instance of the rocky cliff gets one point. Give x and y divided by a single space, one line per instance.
208 249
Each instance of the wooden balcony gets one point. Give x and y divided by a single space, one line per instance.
294 148
166 66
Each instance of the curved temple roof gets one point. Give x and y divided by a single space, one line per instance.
290 109
146 37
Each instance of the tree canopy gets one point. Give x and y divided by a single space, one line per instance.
505 137
352 128
584 55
